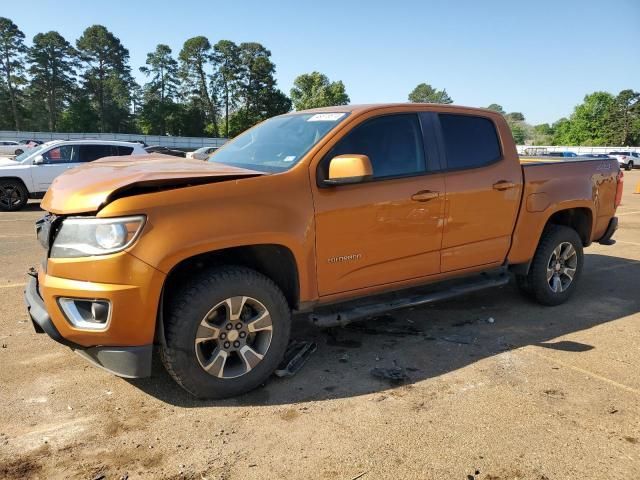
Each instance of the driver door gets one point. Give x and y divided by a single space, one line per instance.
386 230
55 161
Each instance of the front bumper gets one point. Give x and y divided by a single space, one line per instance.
130 362
125 346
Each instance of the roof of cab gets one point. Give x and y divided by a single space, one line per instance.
360 108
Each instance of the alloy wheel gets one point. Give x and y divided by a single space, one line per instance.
9 196
233 337
561 267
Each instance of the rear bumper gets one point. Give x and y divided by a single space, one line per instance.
127 361
608 234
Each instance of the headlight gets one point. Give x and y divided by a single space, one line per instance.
87 236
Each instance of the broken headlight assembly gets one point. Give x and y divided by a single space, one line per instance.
88 236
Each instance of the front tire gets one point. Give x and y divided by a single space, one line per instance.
556 266
19 151
13 195
629 165
226 332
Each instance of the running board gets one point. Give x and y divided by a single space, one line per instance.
340 317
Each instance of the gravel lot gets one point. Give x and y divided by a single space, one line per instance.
539 393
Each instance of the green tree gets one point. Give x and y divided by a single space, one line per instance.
589 123
313 90
542 134
258 97
425 93
195 69
12 52
496 108
624 119
107 76
226 55
53 63
160 91
515 117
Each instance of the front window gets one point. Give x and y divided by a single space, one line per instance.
32 151
279 143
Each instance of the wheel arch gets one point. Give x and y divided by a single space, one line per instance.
579 219
274 261
21 180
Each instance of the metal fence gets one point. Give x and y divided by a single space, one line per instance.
186 143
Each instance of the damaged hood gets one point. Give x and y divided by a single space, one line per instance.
89 187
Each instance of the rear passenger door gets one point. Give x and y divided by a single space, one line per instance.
89 153
483 190
386 230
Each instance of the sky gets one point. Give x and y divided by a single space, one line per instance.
538 57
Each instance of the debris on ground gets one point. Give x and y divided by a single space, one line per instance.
344 358
297 354
393 375
336 338
380 326
460 339
491 320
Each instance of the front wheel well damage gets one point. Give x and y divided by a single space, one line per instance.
273 261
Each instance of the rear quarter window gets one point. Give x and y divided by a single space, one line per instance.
469 141
124 150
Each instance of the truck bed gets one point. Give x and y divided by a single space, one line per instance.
558 183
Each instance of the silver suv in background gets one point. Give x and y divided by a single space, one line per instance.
627 159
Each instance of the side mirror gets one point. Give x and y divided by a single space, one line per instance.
39 160
349 169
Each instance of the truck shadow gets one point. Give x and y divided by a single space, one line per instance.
433 340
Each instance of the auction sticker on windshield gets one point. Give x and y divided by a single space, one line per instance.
325 117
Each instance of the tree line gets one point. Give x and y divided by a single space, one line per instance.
217 90
602 119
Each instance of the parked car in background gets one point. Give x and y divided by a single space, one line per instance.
560 154
31 143
202 153
30 174
165 151
595 155
535 151
9 147
627 159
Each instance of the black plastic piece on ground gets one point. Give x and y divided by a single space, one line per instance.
297 354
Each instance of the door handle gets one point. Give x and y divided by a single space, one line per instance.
424 195
504 185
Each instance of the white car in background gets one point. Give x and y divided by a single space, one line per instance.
30 174
8 147
202 153
627 159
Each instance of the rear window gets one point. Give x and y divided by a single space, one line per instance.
124 150
469 141
89 153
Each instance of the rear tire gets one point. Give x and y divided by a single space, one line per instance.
13 195
226 331
556 266
19 151
629 165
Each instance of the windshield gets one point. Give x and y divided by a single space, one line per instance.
27 153
279 143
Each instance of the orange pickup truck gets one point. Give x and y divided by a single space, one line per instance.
339 212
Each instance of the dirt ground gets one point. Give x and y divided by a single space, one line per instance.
537 393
